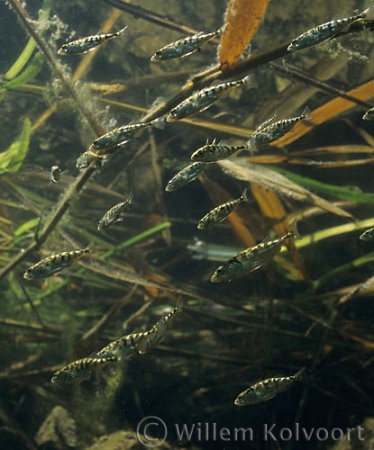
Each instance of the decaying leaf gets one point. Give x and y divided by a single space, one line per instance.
242 17
278 183
272 207
327 111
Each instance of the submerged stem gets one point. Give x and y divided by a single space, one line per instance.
80 181
91 118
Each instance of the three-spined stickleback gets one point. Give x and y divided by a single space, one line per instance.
252 258
88 43
54 263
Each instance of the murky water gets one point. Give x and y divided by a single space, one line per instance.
310 306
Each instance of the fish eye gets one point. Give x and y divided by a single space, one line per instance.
219 270
158 53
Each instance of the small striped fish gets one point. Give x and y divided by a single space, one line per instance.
252 258
81 369
269 132
55 174
124 346
220 213
53 264
86 158
88 43
122 134
157 333
184 176
113 214
323 32
213 152
267 389
203 99
367 235
369 115
185 46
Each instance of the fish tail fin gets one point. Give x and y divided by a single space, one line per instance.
223 29
294 231
364 13
122 31
301 375
306 114
130 197
244 197
251 147
366 116
88 249
159 123
250 80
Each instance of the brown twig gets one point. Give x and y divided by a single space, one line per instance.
80 181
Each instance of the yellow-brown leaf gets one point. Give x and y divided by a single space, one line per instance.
242 18
327 111
272 207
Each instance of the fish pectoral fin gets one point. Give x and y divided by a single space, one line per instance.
205 107
190 53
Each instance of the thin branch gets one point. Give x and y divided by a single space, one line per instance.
28 24
205 77
296 74
80 181
31 304
142 13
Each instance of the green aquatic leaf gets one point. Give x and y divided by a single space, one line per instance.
350 193
27 226
12 158
28 74
22 60
27 52
329 279
139 237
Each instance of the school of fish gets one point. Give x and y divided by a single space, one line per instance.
238 265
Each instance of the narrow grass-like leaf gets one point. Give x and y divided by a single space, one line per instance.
341 271
11 159
27 226
22 147
350 193
27 52
139 237
28 74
